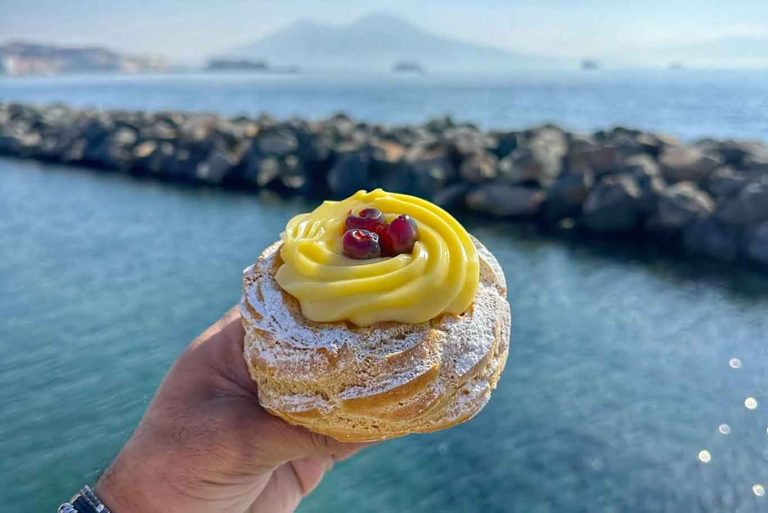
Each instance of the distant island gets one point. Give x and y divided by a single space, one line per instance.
20 58
408 67
222 64
590 64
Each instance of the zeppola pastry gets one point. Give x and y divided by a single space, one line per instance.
375 317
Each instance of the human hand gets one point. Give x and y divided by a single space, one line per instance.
205 444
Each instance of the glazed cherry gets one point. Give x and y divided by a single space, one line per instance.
403 233
360 244
399 237
370 219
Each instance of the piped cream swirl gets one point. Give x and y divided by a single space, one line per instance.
439 276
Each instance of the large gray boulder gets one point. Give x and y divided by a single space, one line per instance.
687 164
506 143
681 205
756 244
711 238
603 156
757 160
532 164
215 169
740 154
725 182
422 171
452 197
349 172
549 137
293 175
277 142
478 167
748 207
505 200
640 165
613 205
566 196
467 140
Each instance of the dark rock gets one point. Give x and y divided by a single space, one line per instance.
613 205
709 237
315 147
10 144
277 142
756 246
640 165
506 200
506 143
439 125
73 153
452 197
748 207
349 172
650 144
725 182
681 205
426 169
756 160
599 160
259 172
160 159
464 141
566 196
478 167
687 164
739 154
293 175
551 138
651 188
216 167
530 164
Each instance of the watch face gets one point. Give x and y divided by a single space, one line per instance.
67 508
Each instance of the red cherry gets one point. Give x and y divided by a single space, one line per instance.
402 235
372 213
368 219
386 242
361 244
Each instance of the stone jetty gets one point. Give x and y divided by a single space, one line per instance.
709 197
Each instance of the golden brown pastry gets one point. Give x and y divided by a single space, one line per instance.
405 341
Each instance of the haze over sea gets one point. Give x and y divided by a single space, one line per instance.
624 365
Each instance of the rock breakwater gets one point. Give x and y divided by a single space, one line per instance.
709 197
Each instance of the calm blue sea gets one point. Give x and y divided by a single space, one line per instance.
686 103
624 365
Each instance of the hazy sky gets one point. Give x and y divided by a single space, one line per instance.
622 31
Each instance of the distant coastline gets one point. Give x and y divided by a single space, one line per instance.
22 59
707 198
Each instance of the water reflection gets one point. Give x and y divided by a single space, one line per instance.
705 456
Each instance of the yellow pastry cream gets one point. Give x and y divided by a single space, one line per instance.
440 275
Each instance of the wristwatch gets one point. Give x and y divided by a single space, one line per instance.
84 502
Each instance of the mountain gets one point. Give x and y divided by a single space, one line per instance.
378 41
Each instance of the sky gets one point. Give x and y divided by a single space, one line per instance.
707 33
